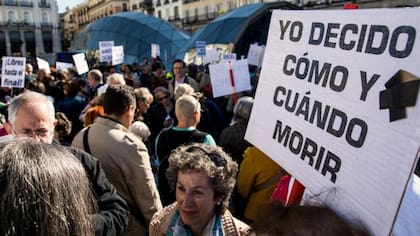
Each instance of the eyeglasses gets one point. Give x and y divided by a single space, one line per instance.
40 133
164 97
218 160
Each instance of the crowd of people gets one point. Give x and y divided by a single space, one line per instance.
142 151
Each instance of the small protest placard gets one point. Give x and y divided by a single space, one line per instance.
221 80
200 48
105 50
13 72
117 55
43 64
80 63
62 65
155 50
255 54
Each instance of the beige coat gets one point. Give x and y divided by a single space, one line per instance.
162 219
126 163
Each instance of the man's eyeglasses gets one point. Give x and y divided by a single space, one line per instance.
40 133
164 97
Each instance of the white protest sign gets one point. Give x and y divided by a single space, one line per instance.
43 64
220 77
63 65
255 54
13 72
117 55
211 56
80 63
155 50
105 50
229 56
317 110
200 47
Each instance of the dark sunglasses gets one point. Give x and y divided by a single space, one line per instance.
164 97
215 158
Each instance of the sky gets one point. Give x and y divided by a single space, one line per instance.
62 4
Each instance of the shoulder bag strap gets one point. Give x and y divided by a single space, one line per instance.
85 141
269 182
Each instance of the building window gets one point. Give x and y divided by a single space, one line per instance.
196 14
26 17
47 40
44 17
30 44
159 14
206 12
11 17
2 43
16 43
176 12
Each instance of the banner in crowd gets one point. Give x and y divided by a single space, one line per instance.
229 77
43 64
117 55
255 54
337 106
80 63
13 72
155 50
105 51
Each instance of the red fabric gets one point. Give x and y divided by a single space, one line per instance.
3 131
350 6
281 191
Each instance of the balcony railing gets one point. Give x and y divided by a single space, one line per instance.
11 3
44 5
26 4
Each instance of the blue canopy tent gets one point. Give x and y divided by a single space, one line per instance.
241 27
136 32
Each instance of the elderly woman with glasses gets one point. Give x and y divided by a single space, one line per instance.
203 178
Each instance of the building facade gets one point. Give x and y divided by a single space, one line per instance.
29 29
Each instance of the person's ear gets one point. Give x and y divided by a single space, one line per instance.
8 127
55 122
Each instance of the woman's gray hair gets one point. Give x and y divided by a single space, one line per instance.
29 97
209 160
242 109
44 190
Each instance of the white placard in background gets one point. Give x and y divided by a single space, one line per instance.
255 54
80 63
317 106
13 72
62 65
43 64
155 50
221 81
105 50
211 56
117 55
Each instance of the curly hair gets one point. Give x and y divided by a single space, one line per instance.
210 160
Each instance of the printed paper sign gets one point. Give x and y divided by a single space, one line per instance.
200 48
117 55
105 50
220 77
155 50
43 64
337 106
255 54
13 72
63 65
211 56
230 56
80 63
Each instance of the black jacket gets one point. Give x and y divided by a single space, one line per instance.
112 217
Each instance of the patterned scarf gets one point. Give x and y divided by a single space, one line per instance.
177 227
